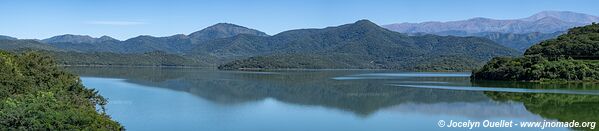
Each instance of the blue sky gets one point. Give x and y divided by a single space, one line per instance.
124 19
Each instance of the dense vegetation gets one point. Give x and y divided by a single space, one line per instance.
156 58
35 94
578 43
292 61
351 61
572 56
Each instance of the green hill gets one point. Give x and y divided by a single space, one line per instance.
572 56
35 94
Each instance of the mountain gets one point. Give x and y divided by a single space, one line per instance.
364 44
92 50
520 42
69 38
13 45
67 57
176 44
223 30
171 44
543 22
2 37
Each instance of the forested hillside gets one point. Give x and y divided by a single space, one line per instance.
155 58
572 56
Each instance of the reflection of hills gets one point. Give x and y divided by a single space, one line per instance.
556 106
362 97
482 110
538 85
563 107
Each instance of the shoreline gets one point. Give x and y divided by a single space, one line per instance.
331 69
262 69
140 66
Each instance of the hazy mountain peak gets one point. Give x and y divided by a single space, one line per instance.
140 37
69 38
223 30
567 16
481 19
550 19
72 36
224 25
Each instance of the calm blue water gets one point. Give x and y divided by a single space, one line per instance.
202 99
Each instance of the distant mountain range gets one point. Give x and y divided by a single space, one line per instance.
543 22
177 44
14 44
362 44
520 42
452 45
516 33
69 38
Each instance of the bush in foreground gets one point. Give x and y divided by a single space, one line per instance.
35 94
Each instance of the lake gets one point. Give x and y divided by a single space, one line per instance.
325 100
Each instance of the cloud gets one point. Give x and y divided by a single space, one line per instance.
118 23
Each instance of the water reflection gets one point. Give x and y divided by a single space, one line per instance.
362 97
582 108
363 93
